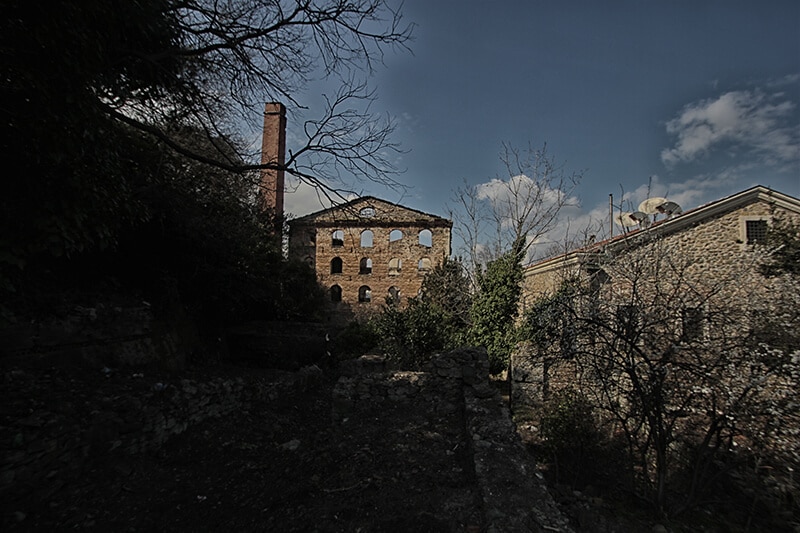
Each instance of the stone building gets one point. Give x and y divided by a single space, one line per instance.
715 242
369 249
687 284
362 251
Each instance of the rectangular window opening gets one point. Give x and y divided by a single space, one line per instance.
756 231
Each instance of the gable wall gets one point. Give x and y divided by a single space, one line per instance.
710 252
311 240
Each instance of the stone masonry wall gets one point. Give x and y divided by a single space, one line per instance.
101 335
112 414
408 250
312 240
714 250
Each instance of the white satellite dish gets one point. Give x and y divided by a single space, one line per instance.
670 208
650 206
626 220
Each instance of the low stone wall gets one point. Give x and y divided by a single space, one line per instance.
99 335
532 377
54 424
514 494
283 345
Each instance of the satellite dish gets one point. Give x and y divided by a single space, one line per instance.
639 216
650 206
626 220
670 208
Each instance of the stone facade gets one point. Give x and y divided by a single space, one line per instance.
369 249
711 241
700 264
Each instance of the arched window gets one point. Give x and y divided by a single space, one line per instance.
337 238
395 235
424 264
366 238
395 266
394 294
336 265
336 294
365 266
426 238
364 294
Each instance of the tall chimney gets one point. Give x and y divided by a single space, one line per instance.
273 150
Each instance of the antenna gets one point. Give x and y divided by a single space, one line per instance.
651 205
669 208
626 220
641 218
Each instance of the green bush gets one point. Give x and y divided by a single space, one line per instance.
570 435
356 339
410 336
434 321
494 310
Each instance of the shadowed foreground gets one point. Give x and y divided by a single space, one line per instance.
387 451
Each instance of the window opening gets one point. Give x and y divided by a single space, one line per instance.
395 235
394 294
628 321
756 231
424 264
395 266
692 323
366 238
336 265
426 238
336 294
337 238
367 212
364 294
365 266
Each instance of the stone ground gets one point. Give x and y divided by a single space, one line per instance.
303 462
279 466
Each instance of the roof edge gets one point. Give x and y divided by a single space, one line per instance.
677 223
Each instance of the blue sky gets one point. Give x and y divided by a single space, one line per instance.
700 99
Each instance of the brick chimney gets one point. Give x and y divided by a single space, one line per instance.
273 150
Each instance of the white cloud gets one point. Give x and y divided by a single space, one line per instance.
519 191
753 122
302 199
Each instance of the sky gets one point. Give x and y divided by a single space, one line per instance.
690 100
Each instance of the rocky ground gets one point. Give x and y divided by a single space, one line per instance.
278 466
301 462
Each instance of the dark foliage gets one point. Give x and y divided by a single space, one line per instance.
494 308
433 322
783 245
114 119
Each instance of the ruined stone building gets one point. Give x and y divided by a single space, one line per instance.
364 250
369 249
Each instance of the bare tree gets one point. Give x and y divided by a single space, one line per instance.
221 60
94 89
515 211
697 372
